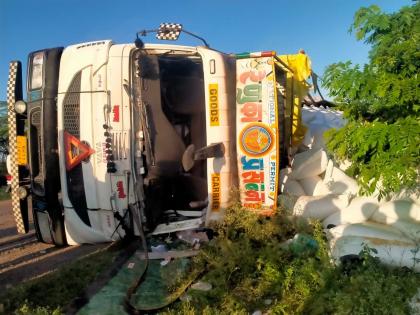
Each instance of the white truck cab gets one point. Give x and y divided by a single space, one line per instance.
125 137
131 124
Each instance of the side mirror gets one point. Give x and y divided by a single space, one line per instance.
166 31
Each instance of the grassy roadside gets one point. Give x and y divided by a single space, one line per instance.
250 267
3 194
50 293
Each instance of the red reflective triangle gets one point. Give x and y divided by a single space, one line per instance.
75 150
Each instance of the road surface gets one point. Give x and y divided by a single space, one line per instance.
22 257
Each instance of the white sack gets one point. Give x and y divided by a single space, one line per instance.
410 229
317 131
359 210
398 254
367 229
308 139
308 164
309 183
398 209
319 207
292 187
338 182
308 114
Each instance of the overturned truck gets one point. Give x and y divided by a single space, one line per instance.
116 138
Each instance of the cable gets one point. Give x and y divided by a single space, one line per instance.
130 308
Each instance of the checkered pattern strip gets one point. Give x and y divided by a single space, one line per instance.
11 99
169 31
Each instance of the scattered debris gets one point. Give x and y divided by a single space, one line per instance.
130 265
301 243
185 297
171 253
166 261
192 237
201 286
268 301
161 248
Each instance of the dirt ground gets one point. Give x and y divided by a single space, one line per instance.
22 257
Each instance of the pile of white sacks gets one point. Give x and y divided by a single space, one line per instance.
320 189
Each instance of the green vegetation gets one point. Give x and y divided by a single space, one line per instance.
381 102
250 268
50 293
3 194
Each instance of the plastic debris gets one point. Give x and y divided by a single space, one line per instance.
201 286
161 248
268 301
166 261
185 297
301 243
192 237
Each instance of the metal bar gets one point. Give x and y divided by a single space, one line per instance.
16 127
284 64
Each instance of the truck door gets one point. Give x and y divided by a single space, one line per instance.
219 80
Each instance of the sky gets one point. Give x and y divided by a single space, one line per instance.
320 27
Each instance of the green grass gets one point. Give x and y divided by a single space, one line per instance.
50 293
250 268
3 194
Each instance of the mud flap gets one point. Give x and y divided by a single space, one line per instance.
16 128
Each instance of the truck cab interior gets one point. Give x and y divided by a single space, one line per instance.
169 113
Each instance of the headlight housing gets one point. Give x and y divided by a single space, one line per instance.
37 71
20 107
22 192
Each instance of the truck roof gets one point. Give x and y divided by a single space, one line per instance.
146 46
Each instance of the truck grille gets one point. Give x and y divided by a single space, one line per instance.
71 122
71 106
36 118
37 154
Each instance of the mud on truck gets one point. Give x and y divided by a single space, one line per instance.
117 138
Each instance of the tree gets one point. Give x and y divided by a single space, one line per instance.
381 101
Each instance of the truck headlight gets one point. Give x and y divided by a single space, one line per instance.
37 70
22 192
20 107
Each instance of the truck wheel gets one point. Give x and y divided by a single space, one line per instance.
42 226
58 232
46 232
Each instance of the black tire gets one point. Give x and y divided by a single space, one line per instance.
49 229
58 232
42 226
